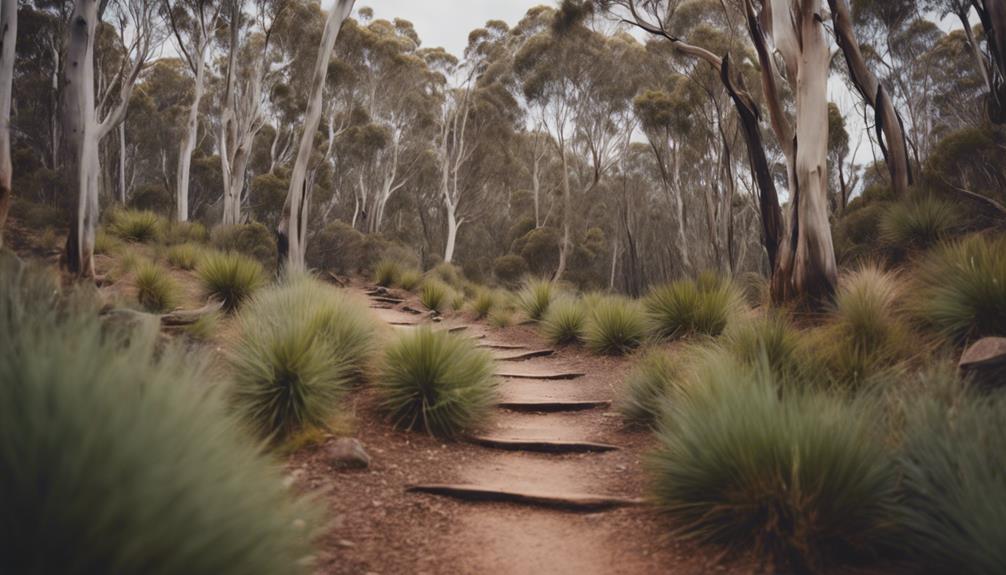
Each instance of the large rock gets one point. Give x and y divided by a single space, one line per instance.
347 453
985 362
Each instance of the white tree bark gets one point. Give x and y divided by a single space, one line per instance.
8 37
454 154
122 164
292 230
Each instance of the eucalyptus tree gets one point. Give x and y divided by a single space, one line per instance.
8 43
194 24
87 119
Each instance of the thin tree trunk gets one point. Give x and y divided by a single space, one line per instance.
566 213
189 137
8 37
292 228
122 163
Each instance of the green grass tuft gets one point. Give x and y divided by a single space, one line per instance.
119 456
409 279
565 321
434 294
918 223
184 256
616 326
156 290
685 308
535 297
230 277
106 243
437 382
485 302
387 273
961 289
649 387
770 338
501 318
137 226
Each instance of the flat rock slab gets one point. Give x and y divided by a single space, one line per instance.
986 352
581 502
543 446
546 406
545 375
522 355
502 346
385 299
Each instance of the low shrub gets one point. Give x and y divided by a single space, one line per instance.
409 279
156 290
535 297
450 274
800 478
230 277
386 273
95 423
509 269
649 387
616 326
501 318
301 345
960 289
686 308
253 240
136 226
918 223
564 322
437 382
106 243
457 301
484 303
434 294
769 338
184 256
186 232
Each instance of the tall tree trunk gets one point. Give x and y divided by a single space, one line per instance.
567 206
122 163
189 137
888 121
8 38
452 232
293 225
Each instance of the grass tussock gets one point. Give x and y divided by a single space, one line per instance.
771 339
616 326
137 226
800 478
301 346
501 318
485 301
409 279
230 277
435 295
450 274
184 256
692 308
918 224
535 297
387 273
105 243
156 290
437 382
650 386
565 321
960 289
138 417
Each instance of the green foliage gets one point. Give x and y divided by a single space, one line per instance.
387 273
952 460
437 382
961 288
106 243
204 328
185 256
501 318
301 345
94 424
434 294
186 232
649 387
564 322
918 223
540 249
616 326
253 240
337 248
509 269
409 279
448 273
156 290
230 277
136 226
857 232
535 297
484 303
686 308
768 339
799 478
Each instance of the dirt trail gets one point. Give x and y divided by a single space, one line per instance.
573 449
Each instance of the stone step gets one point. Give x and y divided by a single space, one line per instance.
540 445
544 375
386 299
577 502
545 406
502 346
522 355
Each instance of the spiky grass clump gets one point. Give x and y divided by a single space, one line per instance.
616 326
230 277
565 321
301 345
501 318
770 338
686 308
952 460
800 478
434 294
186 232
409 279
448 273
137 226
94 424
106 243
484 303
437 382
535 297
918 224
156 290
961 289
184 256
387 272
649 387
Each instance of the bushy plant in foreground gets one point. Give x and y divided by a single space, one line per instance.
434 294
918 223
564 322
437 382
230 277
535 297
301 346
409 279
121 459
800 478
616 326
387 272
184 256
961 288
156 290
137 226
649 387
686 308
954 490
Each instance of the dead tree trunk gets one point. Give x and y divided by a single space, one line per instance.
8 37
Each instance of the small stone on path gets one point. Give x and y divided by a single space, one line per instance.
347 453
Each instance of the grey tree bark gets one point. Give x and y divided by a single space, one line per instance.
8 38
